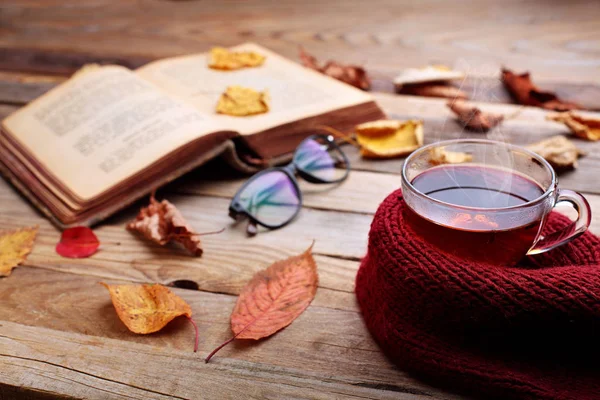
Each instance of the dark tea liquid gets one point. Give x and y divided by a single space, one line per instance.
472 234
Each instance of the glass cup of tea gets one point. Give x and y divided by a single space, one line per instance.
491 206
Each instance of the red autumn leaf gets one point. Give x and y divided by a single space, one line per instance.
350 74
438 89
473 118
77 242
525 92
274 298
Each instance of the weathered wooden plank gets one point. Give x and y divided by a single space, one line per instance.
480 89
329 349
390 36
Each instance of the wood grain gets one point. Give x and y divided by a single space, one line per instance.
59 335
165 360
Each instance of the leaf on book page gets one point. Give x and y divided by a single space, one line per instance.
240 102
559 151
442 90
147 309
525 92
161 222
15 245
389 138
473 118
587 128
77 242
350 74
274 298
224 59
438 156
428 74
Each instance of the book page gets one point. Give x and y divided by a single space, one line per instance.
102 126
296 92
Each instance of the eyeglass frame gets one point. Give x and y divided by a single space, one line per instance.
237 211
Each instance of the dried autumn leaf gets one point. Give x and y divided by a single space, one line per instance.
224 59
350 74
473 118
146 309
559 151
434 90
161 222
428 74
274 298
77 242
15 245
406 137
525 92
438 156
583 127
240 102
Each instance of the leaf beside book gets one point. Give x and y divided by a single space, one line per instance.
274 298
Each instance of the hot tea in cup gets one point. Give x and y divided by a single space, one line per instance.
489 209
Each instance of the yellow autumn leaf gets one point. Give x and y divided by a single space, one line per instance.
583 127
388 143
224 59
240 101
438 156
146 308
559 151
14 247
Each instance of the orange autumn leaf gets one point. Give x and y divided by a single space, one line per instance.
473 118
389 138
525 92
239 101
587 128
350 74
274 298
15 245
147 309
161 222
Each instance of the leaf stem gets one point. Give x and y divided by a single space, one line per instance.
196 329
207 359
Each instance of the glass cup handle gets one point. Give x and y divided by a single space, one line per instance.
569 232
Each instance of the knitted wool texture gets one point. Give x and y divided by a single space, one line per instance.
525 332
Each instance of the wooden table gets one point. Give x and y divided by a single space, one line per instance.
59 334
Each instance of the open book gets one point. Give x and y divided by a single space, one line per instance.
109 135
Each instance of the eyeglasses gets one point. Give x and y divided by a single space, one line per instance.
272 198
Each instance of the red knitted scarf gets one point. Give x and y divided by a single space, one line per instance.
531 331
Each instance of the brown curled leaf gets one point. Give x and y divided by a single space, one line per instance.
161 222
350 74
429 74
587 128
559 151
442 90
525 92
473 118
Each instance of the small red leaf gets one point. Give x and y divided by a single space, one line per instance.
77 242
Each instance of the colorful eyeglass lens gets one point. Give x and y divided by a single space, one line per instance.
321 159
271 198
